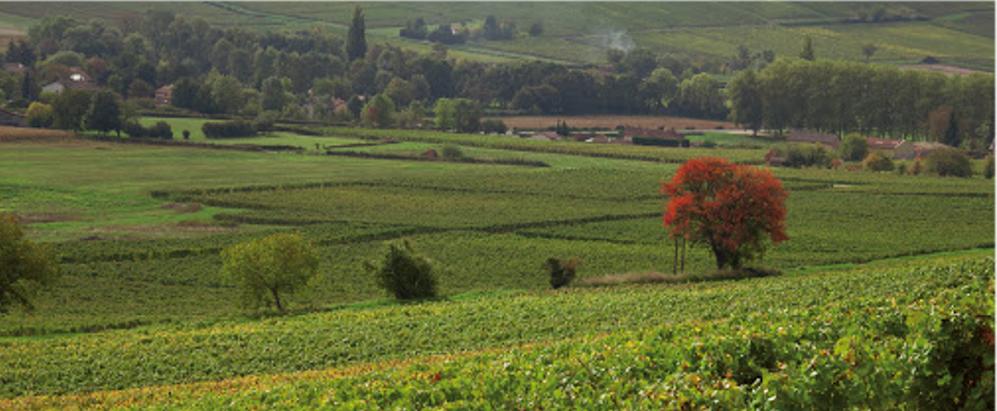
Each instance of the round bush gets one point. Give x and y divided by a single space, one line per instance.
877 162
948 162
854 148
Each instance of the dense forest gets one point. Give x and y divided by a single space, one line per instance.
316 75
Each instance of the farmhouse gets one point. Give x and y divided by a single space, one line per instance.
75 78
164 95
810 136
882 143
909 150
652 137
9 118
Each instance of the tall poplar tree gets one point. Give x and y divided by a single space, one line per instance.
356 41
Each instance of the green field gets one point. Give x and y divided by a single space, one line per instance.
141 305
959 34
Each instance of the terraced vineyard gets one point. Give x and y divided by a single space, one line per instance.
142 316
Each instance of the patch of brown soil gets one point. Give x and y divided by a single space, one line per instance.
9 134
36 218
182 208
942 68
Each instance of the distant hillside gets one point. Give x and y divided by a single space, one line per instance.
959 34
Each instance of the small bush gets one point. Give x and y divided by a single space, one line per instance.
161 130
404 273
27 267
877 162
493 126
186 134
562 272
40 115
805 155
915 168
452 152
988 167
229 129
949 162
709 144
854 148
265 121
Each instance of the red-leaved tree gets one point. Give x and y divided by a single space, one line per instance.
731 208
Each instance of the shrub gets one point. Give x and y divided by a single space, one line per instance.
915 168
265 121
709 144
40 115
877 162
988 167
562 272
452 152
267 267
493 126
229 129
161 130
805 155
949 162
404 273
854 148
186 134
26 266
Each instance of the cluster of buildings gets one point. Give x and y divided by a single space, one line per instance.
627 135
901 149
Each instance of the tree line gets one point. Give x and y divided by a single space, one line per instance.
840 97
235 71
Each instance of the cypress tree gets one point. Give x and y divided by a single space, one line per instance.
808 49
356 41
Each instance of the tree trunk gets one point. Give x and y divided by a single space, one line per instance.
276 299
683 254
675 258
719 254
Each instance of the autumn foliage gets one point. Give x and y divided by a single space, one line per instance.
734 209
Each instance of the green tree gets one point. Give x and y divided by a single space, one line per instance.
25 267
401 92
868 50
808 49
226 92
104 113
39 114
404 273
458 114
746 107
273 96
659 89
952 134
379 112
269 267
356 39
854 147
69 108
